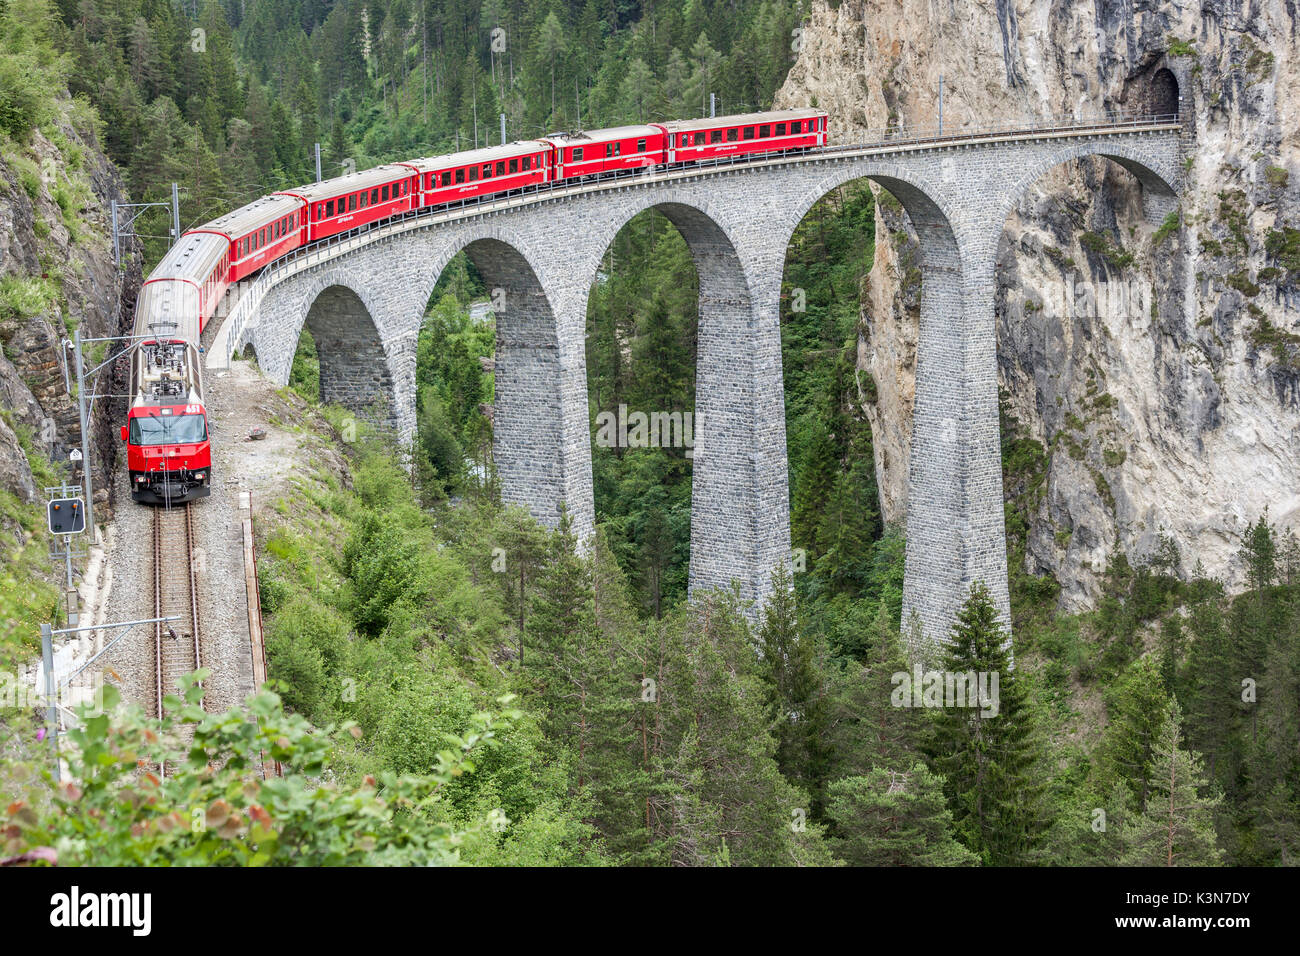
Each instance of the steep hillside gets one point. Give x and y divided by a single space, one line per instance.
56 275
1159 368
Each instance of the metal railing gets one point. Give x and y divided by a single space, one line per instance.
889 139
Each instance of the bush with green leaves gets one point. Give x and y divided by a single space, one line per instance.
214 807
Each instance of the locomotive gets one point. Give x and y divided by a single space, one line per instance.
169 456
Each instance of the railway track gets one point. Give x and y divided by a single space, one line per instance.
177 644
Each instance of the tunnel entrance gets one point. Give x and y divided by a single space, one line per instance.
1162 99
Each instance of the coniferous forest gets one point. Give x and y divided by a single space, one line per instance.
579 710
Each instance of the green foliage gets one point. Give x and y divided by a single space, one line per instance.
1167 228
1107 249
304 374
895 818
1177 828
21 296
209 809
991 762
1284 246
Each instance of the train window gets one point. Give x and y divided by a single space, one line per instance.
731 135
685 140
365 200
699 139
618 149
764 131
715 136
528 162
514 165
262 241
329 209
576 155
460 176
473 173
374 196
320 210
487 170
609 150
383 194
780 129
446 178
640 146
749 132
352 203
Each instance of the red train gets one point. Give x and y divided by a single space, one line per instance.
168 452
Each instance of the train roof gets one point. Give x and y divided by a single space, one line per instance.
193 257
468 157
170 306
255 215
352 182
580 137
744 119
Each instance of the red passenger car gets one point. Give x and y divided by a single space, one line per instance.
578 155
346 202
690 141
475 172
259 233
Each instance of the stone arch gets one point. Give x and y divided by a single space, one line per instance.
1159 192
740 523
535 438
955 533
1162 94
354 364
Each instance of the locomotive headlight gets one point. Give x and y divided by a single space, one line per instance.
199 475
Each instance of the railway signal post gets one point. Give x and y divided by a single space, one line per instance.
65 514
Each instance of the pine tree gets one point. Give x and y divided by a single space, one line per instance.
990 763
1177 827
894 818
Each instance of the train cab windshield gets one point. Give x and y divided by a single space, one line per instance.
168 429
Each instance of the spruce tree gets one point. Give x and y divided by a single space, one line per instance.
990 763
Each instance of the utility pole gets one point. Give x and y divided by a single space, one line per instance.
503 129
940 104
84 416
713 104
117 256
51 711
176 213
318 162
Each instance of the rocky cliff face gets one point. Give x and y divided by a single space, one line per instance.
1159 368
56 274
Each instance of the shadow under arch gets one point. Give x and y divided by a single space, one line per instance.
354 365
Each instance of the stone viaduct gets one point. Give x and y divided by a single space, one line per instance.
363 298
